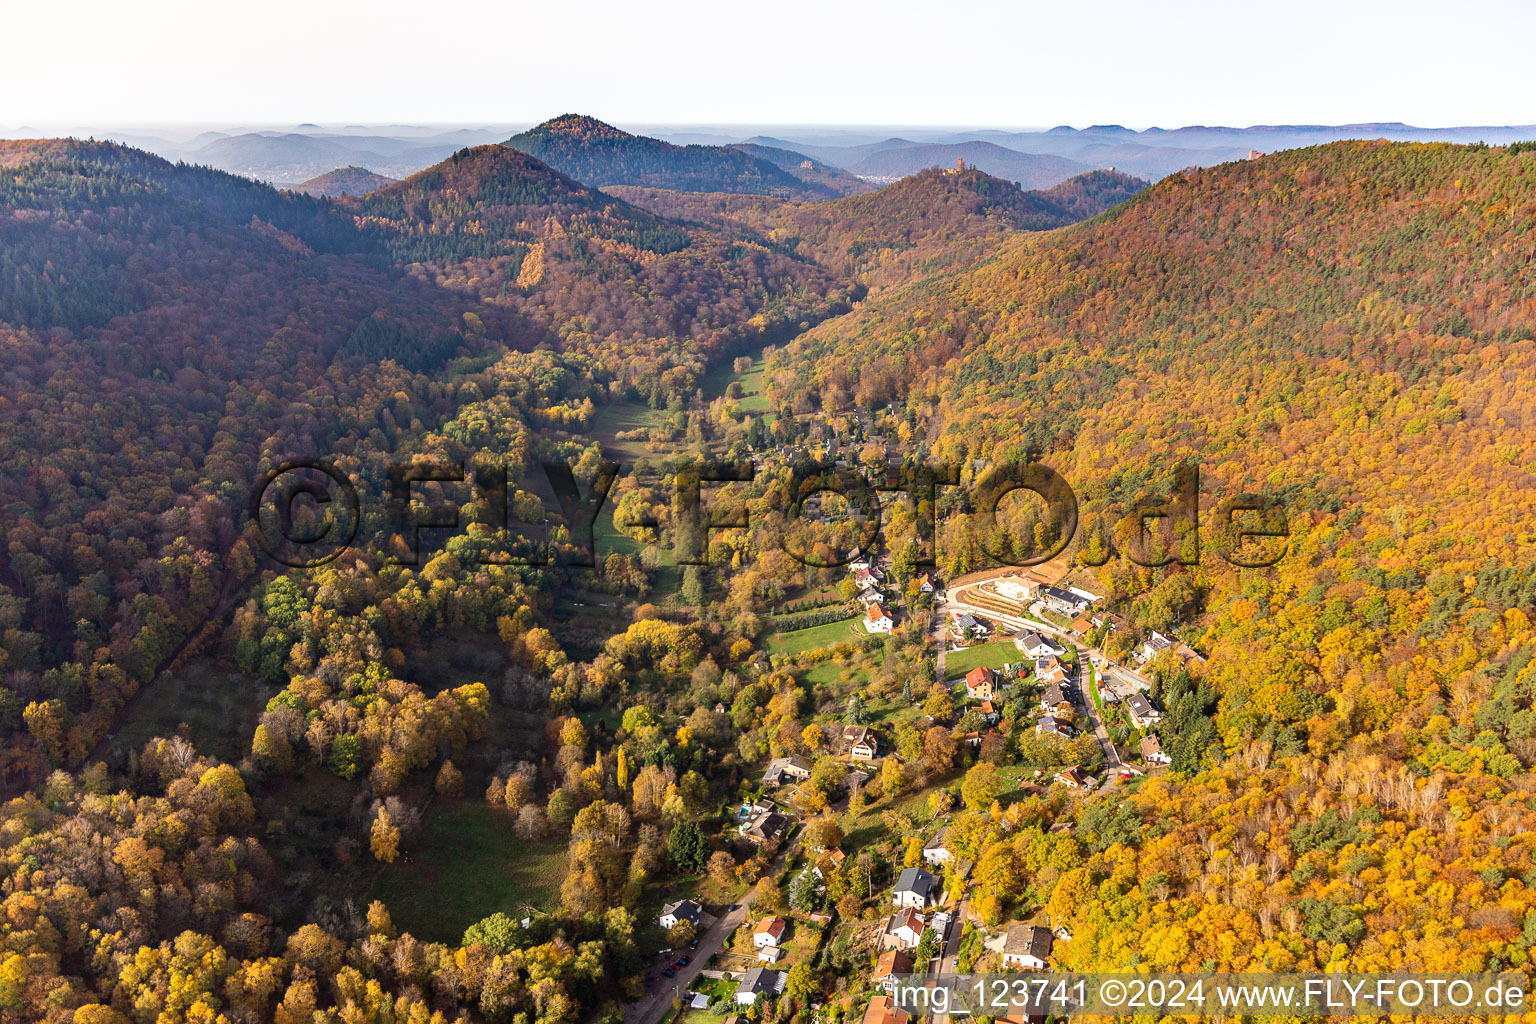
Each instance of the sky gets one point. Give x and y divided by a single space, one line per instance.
899 62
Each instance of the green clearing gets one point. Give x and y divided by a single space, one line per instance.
825 673
722 376
614 419
993 655
216 702
468 864
816 636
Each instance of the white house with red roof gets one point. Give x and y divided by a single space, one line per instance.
877 620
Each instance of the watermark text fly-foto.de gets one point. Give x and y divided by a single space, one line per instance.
308 512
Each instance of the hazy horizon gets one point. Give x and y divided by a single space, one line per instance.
1189 62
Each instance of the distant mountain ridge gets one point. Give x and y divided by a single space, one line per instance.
1029 170
1151 152
291 156
599 154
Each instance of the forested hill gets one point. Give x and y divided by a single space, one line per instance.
489 199
932 219
344 181
600 154
505 227
227 195
1348 328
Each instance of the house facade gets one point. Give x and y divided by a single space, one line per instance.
682 910
1033 645
981 683
1028 947
937 852
915 888
759 981
1142 713
906 929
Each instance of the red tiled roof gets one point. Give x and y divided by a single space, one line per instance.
771 926
882 1010
893 961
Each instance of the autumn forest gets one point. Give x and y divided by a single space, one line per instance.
454 776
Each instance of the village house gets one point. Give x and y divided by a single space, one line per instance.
1018 590
784 770
892 962
1050 725
904 930
883 1010
1152 751
681 910
1142 713
1050 668
876 620
981 683
1054 697
766 829
965 622
1188 654
767 938
1086 595
759 981
829 861
1153 646
937 851
1027 946
860 743
914 888
1075 778
769 931
1064 602
1033 645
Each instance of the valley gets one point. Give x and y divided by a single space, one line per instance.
483 790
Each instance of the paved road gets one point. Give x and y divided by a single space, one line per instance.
1111 756
948 962
658 1002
